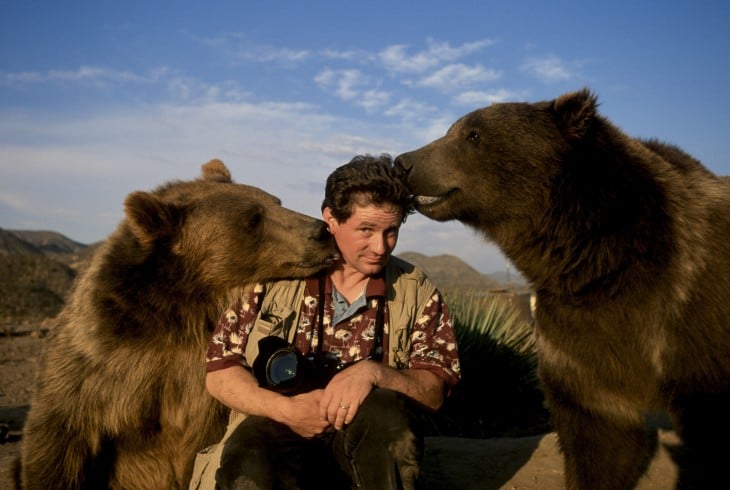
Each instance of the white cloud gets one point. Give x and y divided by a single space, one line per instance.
189 89
549 69
354 55
345 84
179 87
372 100
452 77
353 86
14 200
477 98
265 54
410 110
86 73
237 47
396 58
444 51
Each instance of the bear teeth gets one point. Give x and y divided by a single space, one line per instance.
426 200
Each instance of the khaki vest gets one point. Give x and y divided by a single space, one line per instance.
279 312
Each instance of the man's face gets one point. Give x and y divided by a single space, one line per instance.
367 238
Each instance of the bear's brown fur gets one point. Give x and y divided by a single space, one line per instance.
626 245
120 400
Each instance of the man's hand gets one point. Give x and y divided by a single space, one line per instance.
302 415
346 391
237 388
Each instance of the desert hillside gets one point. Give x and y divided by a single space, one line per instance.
37 269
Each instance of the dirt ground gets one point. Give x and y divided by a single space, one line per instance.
450 463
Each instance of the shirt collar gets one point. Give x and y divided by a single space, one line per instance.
376 285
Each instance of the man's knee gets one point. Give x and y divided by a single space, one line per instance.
387 420
384 404
388 412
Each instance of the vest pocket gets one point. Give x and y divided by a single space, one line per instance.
275 321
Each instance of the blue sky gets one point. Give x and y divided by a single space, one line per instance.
100 98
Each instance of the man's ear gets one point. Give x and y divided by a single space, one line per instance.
329 219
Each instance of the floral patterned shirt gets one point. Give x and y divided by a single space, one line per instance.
433 339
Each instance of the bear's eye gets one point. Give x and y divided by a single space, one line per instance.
473 136
254 220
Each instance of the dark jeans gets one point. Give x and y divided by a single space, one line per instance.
380 450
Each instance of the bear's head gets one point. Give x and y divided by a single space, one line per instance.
559 188
216 234
497 163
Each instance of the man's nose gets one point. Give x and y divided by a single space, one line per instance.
378 244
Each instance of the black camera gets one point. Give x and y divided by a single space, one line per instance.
281 367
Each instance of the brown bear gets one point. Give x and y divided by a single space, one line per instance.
625 243
120 400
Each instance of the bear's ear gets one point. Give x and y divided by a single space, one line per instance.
575 112
150 218
216 171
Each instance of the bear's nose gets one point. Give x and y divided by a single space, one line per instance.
402 165
319 232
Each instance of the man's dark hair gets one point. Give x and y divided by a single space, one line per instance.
366 179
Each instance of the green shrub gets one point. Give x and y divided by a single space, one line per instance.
488 321
499 393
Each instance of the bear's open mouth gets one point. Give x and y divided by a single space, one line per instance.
431 201
427 200
329 260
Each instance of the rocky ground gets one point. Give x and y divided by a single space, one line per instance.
450 463
19 356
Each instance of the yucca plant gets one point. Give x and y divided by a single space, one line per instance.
499 393
487 321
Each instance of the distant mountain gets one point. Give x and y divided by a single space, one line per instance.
451 273
57 246
33 284
37 270
49 241
510 278
11 244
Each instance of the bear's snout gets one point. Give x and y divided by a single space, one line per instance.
317 231
402 166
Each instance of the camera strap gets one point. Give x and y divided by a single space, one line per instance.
320 314
377 353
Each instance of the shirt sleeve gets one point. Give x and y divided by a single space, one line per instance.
433 342
227 347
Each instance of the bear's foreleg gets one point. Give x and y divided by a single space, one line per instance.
162 455
703 423
55 456
163 461
601 454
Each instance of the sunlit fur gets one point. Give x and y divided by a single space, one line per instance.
625 242
120 400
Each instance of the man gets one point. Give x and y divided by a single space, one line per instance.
379 321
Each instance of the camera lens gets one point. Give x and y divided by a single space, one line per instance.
282 367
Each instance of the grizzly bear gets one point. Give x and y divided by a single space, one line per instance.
120 400
625 242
